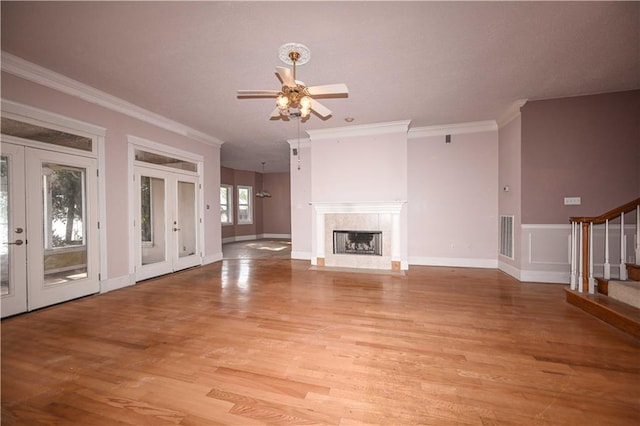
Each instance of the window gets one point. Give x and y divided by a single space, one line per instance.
226 204
64 207
245 205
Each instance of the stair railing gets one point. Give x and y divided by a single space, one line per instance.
581 243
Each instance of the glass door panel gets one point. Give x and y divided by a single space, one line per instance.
64 230
152 220
187 237
4 225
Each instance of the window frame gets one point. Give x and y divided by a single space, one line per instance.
229 204
249 205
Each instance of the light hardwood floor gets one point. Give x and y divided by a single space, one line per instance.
246 342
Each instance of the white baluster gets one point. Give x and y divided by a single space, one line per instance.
572 256
607 265
592 281
623 249
580 265
637 235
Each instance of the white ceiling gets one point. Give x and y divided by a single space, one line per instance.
433 63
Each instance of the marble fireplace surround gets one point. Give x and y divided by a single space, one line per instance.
357 216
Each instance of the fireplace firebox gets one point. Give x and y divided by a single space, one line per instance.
357 242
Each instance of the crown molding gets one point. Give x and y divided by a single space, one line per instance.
303 142
453 129
512 112
35 73
361 130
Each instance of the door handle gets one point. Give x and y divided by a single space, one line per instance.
17 243
176 229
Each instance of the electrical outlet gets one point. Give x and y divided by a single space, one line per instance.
572 201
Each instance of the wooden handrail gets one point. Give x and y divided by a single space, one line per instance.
626 208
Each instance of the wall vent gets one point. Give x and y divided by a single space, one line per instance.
506 236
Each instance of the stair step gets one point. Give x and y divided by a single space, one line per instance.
633 271
618 314
625 291
603 286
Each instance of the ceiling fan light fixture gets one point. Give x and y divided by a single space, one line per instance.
295 99
282 101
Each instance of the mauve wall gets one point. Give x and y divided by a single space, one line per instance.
118 126
453 200
585 146
270 215
510 176
276 213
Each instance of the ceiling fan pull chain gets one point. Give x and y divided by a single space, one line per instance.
298 143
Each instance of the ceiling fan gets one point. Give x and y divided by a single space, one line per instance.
295 99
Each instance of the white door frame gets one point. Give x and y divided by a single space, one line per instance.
134 143
47 119
16 301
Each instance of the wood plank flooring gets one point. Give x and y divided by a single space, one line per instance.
248 342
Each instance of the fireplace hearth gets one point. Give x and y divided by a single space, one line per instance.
357 242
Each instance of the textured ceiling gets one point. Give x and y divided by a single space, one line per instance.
433 63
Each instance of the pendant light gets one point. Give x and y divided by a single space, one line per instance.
263 193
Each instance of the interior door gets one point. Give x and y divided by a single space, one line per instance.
13 248
50 228
166 225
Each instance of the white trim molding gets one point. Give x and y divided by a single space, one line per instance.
302 142
457 262
453 129
361 130
212 258
117 283
35 73
301 255
511 112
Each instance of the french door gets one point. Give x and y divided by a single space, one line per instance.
48 228
166 225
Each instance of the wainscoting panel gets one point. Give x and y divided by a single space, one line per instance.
546 251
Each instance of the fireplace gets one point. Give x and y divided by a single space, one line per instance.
357 242
367 223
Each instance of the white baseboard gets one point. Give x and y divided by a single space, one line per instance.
117 283
216 257
549 277
255 237
301 255
277 236
509 269
454 261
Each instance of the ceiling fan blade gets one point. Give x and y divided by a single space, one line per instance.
320 109
286 76
329 89
262 93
